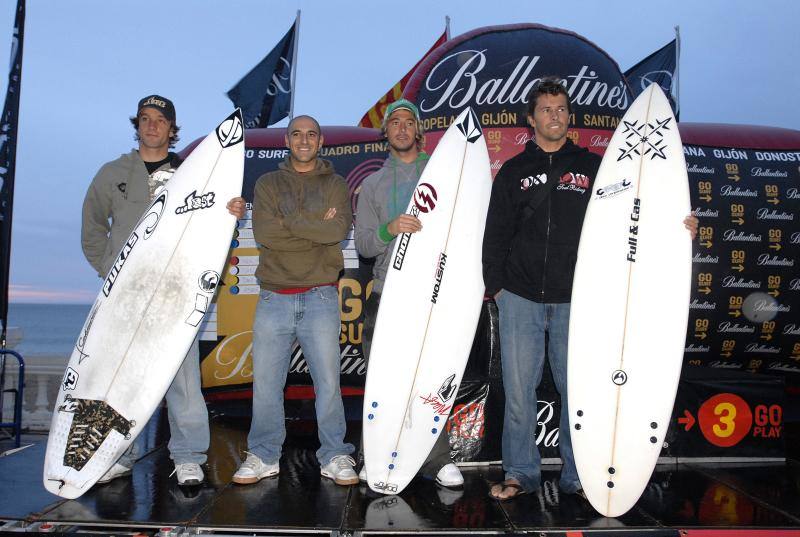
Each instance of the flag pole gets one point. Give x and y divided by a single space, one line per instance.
8 158
294 62
678 70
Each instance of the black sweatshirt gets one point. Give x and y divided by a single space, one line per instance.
532 252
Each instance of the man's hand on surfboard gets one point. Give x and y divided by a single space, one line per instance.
691 222
236 206
405 223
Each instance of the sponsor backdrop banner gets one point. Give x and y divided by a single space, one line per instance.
493 69
744 257
746 293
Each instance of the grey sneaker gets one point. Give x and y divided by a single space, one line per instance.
114 472
254 470
189 474
340 469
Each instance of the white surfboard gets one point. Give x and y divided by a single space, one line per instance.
429 310
146 315
630 306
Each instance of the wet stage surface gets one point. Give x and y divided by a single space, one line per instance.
684 496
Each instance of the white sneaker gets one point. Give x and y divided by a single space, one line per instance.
340 469
253 470
189 474
114 472
450 476
362 474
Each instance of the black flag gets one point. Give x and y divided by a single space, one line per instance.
8 157
661 67
265 93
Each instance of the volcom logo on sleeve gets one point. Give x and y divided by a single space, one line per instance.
195 202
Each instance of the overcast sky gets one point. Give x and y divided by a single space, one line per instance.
87 62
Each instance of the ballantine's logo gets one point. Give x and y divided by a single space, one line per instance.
438 277
697 348
774 261
733 281
694 168
705 259
466 86
704 305
771 306
195 202
725 365
791 330
793 193
735 191
739 236
707 213
735 328
761 172
780 366
598 141
772 214
757 347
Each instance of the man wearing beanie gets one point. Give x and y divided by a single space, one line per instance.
301 213
380 217
116 199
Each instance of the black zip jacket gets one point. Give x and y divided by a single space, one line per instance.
532 253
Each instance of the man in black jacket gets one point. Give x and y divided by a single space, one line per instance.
530 246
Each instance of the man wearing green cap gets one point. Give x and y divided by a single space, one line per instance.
380 217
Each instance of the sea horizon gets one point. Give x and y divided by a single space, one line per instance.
48 329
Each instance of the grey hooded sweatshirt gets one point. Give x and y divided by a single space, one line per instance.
384 195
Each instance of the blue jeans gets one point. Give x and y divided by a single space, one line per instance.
187 415
523 324
313 319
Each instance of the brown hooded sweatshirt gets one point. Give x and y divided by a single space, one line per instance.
297 248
